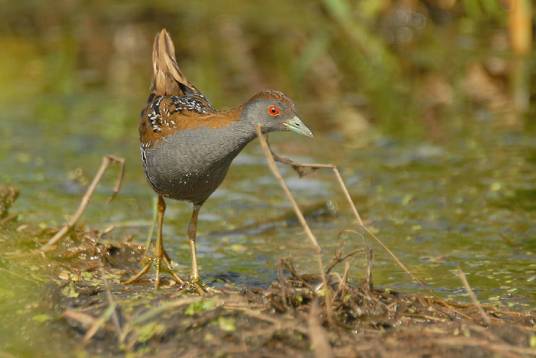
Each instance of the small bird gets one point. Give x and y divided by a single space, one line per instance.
187 145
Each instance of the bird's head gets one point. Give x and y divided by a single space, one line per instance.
274 111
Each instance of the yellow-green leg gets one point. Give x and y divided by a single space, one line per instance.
159 252
192 233
149 240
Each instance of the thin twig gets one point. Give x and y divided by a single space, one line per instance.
392 254
279 323
119 180
111 302
368 279
317 334
318 250
338 258
343 281
98 323
8 218
472 295
300 169
154 312
83 318
105 163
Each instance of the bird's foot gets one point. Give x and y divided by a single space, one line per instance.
199 287
158 263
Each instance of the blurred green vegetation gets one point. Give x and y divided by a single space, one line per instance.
374 61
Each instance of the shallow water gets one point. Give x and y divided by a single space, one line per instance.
466 199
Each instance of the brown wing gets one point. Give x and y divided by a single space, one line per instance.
164 117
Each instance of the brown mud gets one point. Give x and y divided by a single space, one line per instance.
290 317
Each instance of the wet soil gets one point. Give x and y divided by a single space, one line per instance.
294 316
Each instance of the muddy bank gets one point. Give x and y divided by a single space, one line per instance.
289 317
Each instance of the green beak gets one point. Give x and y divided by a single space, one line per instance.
296 125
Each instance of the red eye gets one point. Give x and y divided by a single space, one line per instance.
273 110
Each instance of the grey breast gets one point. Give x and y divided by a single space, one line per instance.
189 165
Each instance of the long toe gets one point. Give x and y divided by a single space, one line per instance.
172 272
158 269
138 275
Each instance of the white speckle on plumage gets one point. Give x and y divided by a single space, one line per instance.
143 156
195 103
154 115
190 103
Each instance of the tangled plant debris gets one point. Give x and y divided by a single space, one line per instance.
288 317
86 297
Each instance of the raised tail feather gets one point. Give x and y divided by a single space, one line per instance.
168 79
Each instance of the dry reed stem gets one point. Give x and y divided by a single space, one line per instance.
472 295
317 334
154 312
343 280
98 323
368 279
83 318
111 302
129 326
8 218
318 250
519 26
339 257
278 323
300 169
105 163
